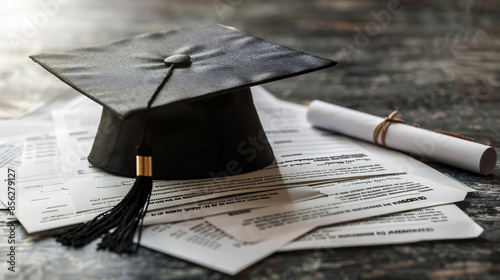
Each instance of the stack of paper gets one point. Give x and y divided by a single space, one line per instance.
318 184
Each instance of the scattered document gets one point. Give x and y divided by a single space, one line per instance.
75 132
40 150
226 204
200 242
347 201
433 223
44 200
13 134
307 198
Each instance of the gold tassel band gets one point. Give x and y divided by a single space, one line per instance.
144 166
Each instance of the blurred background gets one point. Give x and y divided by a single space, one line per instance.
414 55
438 61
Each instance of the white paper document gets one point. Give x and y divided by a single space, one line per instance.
347 201
44 200
43 195
15 131
230 203
202 243
13 134
433 223
111 194
38 149
278 175
75 132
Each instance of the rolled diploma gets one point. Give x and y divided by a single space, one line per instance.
446 149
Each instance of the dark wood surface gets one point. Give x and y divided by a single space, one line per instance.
437 61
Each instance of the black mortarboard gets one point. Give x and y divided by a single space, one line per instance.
201 121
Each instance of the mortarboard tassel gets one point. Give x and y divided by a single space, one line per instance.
120 223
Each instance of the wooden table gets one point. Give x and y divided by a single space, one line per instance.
437 61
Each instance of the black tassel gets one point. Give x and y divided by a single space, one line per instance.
120 223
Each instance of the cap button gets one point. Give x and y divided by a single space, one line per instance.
177 59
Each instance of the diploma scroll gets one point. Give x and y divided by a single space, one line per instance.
446 149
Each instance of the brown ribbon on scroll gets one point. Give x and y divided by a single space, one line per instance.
381 129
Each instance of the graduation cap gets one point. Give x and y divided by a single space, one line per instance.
184 94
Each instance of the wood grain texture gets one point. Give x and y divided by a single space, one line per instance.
437 61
